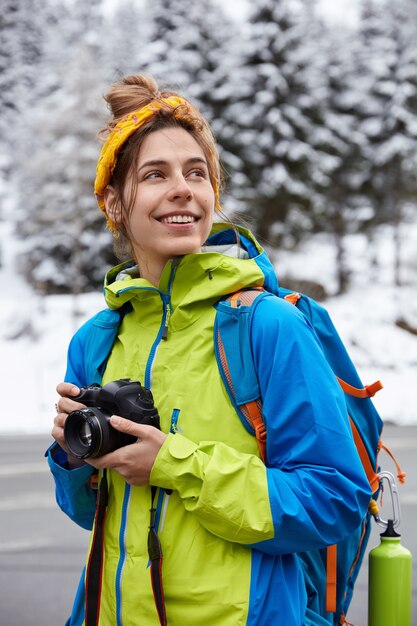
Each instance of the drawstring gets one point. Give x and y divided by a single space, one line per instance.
400 474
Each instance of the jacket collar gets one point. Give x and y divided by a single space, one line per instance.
231 259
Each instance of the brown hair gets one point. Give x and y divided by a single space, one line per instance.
130 94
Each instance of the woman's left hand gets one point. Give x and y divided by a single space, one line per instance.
134 462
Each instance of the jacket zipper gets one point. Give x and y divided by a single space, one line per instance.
162 334
167 300
122 557
167 315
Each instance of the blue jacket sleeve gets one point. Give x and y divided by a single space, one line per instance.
318 489
73 494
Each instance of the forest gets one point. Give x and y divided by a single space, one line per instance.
316 123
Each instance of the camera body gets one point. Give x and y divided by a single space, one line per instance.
88 432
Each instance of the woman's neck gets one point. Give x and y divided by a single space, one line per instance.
151 272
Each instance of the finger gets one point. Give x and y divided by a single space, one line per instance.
65 405
129 427
59 420
58 430
67 390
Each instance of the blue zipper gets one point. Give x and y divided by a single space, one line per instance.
163 330
122 558
174 421
148 370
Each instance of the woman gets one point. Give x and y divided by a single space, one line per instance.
229 526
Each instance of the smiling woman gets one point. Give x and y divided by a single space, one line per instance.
191 482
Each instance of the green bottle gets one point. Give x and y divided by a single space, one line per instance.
390 590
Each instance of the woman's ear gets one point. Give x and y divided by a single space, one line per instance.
112 204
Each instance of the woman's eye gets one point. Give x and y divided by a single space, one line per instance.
197 173
151 175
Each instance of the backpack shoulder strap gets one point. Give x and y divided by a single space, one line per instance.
235 362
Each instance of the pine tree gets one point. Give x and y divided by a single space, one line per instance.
126 36
189 50
342 174
21 27
389 38
21 24
66 246
273 122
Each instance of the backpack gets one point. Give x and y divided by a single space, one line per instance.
330 573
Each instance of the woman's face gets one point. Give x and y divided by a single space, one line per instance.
173 207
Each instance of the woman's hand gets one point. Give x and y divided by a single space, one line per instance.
64 406
134 462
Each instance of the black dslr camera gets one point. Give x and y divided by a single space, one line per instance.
88 432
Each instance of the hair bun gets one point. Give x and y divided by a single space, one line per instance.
130 94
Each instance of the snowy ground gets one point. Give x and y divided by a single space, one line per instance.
35 331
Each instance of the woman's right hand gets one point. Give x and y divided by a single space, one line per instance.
63 407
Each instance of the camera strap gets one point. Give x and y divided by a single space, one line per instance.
155 558
94 571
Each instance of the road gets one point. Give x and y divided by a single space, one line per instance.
42 552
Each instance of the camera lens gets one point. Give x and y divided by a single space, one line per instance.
83 432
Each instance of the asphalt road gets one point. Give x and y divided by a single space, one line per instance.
42 552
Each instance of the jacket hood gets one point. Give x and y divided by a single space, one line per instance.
230 260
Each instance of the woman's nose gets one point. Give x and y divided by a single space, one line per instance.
180 189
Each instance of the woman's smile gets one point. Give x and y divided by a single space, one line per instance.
178 219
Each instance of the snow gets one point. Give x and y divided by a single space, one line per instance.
35 330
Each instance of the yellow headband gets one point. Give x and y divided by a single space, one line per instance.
119 135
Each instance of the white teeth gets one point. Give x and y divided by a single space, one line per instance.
178 219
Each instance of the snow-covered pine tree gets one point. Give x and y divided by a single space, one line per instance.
273 121
341 174
389 36
183 42
125 25
21 26
66 248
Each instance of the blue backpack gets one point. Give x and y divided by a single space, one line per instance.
330 573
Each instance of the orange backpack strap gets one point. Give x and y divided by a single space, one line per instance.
251 410
331 571
371 472
366 392
255 414
244 297
293 298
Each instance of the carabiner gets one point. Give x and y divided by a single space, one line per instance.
396 512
